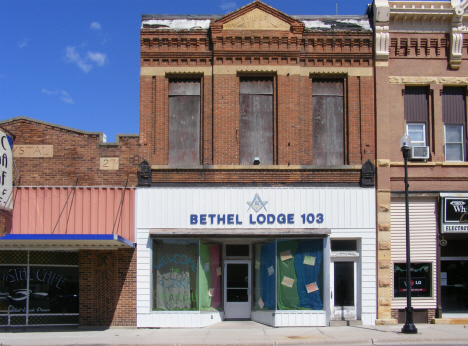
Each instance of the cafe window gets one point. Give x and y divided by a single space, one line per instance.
421 280
39 288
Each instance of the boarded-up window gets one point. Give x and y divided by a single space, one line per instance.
256 120
184 122
328 119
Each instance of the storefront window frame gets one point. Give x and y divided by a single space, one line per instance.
26 315
324 263
277 279
430 284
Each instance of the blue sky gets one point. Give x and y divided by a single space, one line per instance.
76 63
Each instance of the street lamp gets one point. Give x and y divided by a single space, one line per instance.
408 328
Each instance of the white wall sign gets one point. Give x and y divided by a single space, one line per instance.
247 208
6 172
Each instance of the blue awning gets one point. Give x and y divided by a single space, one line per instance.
64 241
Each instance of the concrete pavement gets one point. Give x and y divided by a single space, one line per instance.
240 333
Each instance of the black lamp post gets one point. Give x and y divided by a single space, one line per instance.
408 328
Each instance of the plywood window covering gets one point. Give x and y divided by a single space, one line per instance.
454 118
256 120
184 122
328 121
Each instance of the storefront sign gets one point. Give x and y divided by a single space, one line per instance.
255 208
454 214
6 173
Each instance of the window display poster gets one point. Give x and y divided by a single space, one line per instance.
287 282
421 280
309 260
286 255
312 287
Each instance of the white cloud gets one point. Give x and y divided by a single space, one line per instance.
73 56
23 43
227 5
64 96
85 62
95 26
98 58
49 92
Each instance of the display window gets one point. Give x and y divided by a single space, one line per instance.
175 274
421 280
289 275
38 287
187 275
210 276
264 276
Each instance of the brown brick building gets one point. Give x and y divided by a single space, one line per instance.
71 231
421 86
258 130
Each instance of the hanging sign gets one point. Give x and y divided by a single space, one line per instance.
6 173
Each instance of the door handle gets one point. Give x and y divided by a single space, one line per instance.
331 293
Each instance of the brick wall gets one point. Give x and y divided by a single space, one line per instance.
236 54
224 56
419 315
75 153
107 279
107 282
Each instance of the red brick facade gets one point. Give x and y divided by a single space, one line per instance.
75 153
293 58
108 288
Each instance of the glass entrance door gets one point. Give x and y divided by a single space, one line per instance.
454 285
343 290
237 302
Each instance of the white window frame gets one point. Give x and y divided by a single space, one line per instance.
415 143
460 143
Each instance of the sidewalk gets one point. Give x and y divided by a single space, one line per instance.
241 333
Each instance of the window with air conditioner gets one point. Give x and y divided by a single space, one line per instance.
417 121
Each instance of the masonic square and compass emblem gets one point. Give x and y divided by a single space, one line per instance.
257 204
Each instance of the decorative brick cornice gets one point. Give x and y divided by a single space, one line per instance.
429 17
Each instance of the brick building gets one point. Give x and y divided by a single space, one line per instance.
71 231
257 131
421 86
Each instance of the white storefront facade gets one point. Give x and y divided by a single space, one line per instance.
281 256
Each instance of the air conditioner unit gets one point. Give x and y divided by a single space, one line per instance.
419 153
